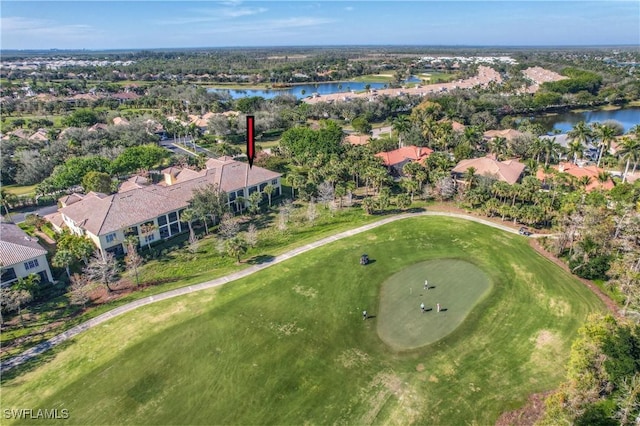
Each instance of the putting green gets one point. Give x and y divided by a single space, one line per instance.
455 284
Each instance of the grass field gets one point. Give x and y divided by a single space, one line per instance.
288 345
20 190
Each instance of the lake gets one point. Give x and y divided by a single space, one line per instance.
564 122
309 89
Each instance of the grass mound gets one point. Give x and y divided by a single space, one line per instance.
288 345
455 284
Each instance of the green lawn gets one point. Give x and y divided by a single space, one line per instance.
20 190
288 345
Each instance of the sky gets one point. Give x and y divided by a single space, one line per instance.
96 25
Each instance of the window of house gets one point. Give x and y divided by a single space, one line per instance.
149 238
133 230
232 196
274 182
252 190
8 274
241 193
262 186
162 220
174 228
31 264
173 217
164 232
110 237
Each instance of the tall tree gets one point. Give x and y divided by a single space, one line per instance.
605 135
580 136
209 201
269 190
629 151
133 260
401 125
103 269
64 258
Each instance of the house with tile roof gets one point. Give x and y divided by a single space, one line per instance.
509 171
108 219
120 121
396 159
354 139
21 255
592 172
508 134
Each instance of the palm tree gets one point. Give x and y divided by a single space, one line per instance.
551 150
584 181
605 134
629 150
429 130
401 124
470 177
63 259
603 176
575 149
269 190
582 132
498 147
188 215
368 204
8 199
236 246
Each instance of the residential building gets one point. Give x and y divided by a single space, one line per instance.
508 134
509 171
593 173
396 159
354 139
21 255
139 206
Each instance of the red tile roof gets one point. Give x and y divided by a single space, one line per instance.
397 156
576 171
508 171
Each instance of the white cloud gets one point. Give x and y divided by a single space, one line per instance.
213 15
349 8
267 26
16 25
236 12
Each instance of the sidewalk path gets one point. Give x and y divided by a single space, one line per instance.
72 332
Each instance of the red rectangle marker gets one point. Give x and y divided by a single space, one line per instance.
251 143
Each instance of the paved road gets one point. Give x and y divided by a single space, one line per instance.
177 146
72 332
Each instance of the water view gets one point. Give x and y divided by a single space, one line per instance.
564 122
304 90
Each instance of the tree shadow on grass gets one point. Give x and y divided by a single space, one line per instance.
260 259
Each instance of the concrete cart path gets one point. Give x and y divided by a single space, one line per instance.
74 331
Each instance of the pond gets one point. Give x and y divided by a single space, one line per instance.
565 121
305 90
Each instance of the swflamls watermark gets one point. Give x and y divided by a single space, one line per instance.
35 414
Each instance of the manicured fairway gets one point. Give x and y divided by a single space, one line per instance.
455 284
288 345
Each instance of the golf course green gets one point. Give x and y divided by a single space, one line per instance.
454 284
288 345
